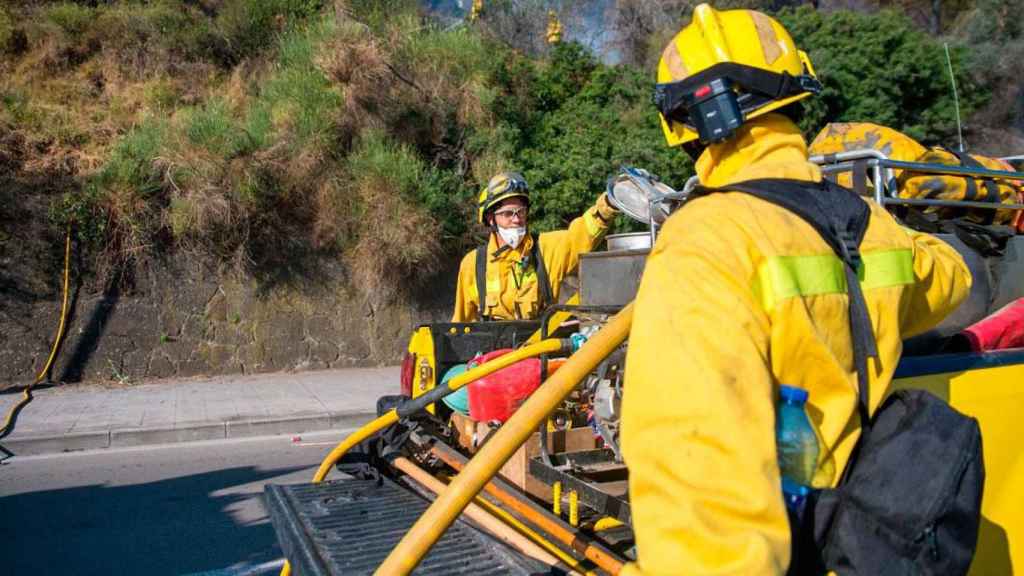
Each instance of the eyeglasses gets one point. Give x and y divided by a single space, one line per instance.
509 213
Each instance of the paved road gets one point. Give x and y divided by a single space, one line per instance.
179 509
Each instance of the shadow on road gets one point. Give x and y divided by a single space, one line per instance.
175 526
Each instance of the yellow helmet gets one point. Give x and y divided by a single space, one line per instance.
724 68
501 187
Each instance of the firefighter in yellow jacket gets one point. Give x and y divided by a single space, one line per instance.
740 296
517 273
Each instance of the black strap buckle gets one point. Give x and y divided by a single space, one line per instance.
849 246
808 83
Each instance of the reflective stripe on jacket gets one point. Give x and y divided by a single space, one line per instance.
512 292
738 296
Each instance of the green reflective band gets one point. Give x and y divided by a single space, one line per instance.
593 228
782 277
887 268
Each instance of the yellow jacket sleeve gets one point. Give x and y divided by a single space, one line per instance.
698 415
561 249
942 282
467 302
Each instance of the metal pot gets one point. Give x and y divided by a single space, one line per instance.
631 241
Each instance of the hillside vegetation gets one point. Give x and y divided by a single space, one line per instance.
270 135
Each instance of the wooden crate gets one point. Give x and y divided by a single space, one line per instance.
472 435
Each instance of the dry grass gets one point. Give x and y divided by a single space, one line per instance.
398 243
344 140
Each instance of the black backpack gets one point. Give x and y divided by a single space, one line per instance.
909 501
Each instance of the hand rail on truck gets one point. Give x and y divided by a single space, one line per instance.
885 192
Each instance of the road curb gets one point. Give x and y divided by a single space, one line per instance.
187 432
127 437
48 444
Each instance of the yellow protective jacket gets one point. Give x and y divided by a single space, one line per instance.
738 296
512 292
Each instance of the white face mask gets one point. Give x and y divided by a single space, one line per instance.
512 236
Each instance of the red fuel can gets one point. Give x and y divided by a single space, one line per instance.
496 396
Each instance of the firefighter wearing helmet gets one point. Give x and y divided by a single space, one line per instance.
740 295
515 274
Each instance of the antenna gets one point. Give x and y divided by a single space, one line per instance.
956 98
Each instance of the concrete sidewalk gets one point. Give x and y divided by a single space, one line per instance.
84 417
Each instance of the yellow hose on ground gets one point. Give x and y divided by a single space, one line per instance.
543 347
482 467
27 393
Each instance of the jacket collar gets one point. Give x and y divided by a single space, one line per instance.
770 146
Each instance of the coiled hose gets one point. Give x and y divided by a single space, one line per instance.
482 467
27 393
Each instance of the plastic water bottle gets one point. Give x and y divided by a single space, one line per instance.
797 447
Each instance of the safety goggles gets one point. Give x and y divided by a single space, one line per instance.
513 184
509 213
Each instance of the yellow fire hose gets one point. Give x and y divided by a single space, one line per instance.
27 394
543 347
482 467
499 522
573 539
548 346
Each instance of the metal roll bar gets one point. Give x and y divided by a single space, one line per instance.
887 194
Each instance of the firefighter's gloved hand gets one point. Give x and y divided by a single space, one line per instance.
604 208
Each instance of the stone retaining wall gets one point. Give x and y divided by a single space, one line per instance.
184 322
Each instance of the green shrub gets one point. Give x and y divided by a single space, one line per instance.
213 127
298 96
569 123
880 68
245 27
74 19
131 162
441 193
156 35
15 105
399 241
6 30
459 53
378 14
608 123
162 94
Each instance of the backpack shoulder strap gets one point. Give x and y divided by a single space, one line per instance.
543 280
481 281
841 218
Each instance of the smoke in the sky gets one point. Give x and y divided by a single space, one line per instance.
584 22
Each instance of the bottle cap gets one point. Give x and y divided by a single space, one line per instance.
792 395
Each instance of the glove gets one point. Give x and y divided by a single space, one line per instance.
605 211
